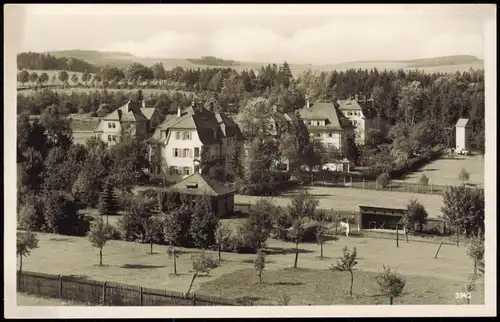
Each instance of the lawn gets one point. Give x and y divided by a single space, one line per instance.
325 287
31 300
444 171
131 263
350 199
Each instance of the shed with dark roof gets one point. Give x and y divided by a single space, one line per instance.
198 185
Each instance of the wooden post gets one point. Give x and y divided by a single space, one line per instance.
336 225
435 256
19 279
344 181
397 235
194 299
351 182
376 185
141 298
60 286
104 293
458 237
431 188
390 185
363 182
405 185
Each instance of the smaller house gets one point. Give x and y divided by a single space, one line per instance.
343 165
379 217
197 185
83 128
463 130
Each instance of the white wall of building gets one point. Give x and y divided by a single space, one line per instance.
111 131
187 149
463 135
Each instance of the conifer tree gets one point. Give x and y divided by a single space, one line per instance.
108 204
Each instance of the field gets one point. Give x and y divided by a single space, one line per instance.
351 198
444 171
429 280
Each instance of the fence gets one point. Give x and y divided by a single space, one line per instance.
107 293
349 180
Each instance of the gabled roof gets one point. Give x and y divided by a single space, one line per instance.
148 112
366 107
205 122
463 123
199 185
130 112
325 111
84 124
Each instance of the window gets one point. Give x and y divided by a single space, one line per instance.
318 135
330 134
177 152
109 125
186 171
186 153
173 170
308 122
114 138
177 135
114 125
109 138
196 168
186 135
196 152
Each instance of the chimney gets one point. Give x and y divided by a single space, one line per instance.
129 108
178 112
356 97
307 103
143 104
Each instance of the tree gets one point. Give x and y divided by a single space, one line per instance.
424 180
26 242
259 221
74 78
69 63
463 209
390 284
463 175
204 221
53 79
173 253
152 228
159 71
321 232
107 202
23 77
99 235
260 264
202 263
222 236
301 207
383 179
33 78
44 78
62 216
476 251
349 148
346 263
63 77
172 230
86 77
415 214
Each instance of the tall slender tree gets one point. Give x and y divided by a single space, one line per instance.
108 204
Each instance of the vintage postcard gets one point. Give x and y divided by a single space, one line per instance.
304 159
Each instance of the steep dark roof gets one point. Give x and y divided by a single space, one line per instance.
84 124
130 112
199 185
366 107
335 120
204 122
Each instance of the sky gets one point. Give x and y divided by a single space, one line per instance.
314 34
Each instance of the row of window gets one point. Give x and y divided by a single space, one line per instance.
111 138
354 113
186 153
182 170
315 123
111 125
185 135
329 134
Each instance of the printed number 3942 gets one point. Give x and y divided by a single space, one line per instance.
462 295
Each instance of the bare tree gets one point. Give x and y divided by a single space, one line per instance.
321 231
476 251
463 175
390 284
346 263
260 264
173 253
202 263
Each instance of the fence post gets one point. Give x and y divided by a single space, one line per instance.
19 279
363 182
104 293
194 299
141 298
405 185
431 188
390 185
418 187
397 235
344 180
351 182
60 286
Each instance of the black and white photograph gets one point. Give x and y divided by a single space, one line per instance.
307 159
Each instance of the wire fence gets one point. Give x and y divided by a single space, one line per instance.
83 290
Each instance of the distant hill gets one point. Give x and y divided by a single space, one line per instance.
445 64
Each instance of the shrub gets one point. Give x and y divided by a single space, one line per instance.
242 242
62 217
383 179
424 180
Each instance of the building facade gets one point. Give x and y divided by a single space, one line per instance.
362 115
463 134
192 137
326 122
